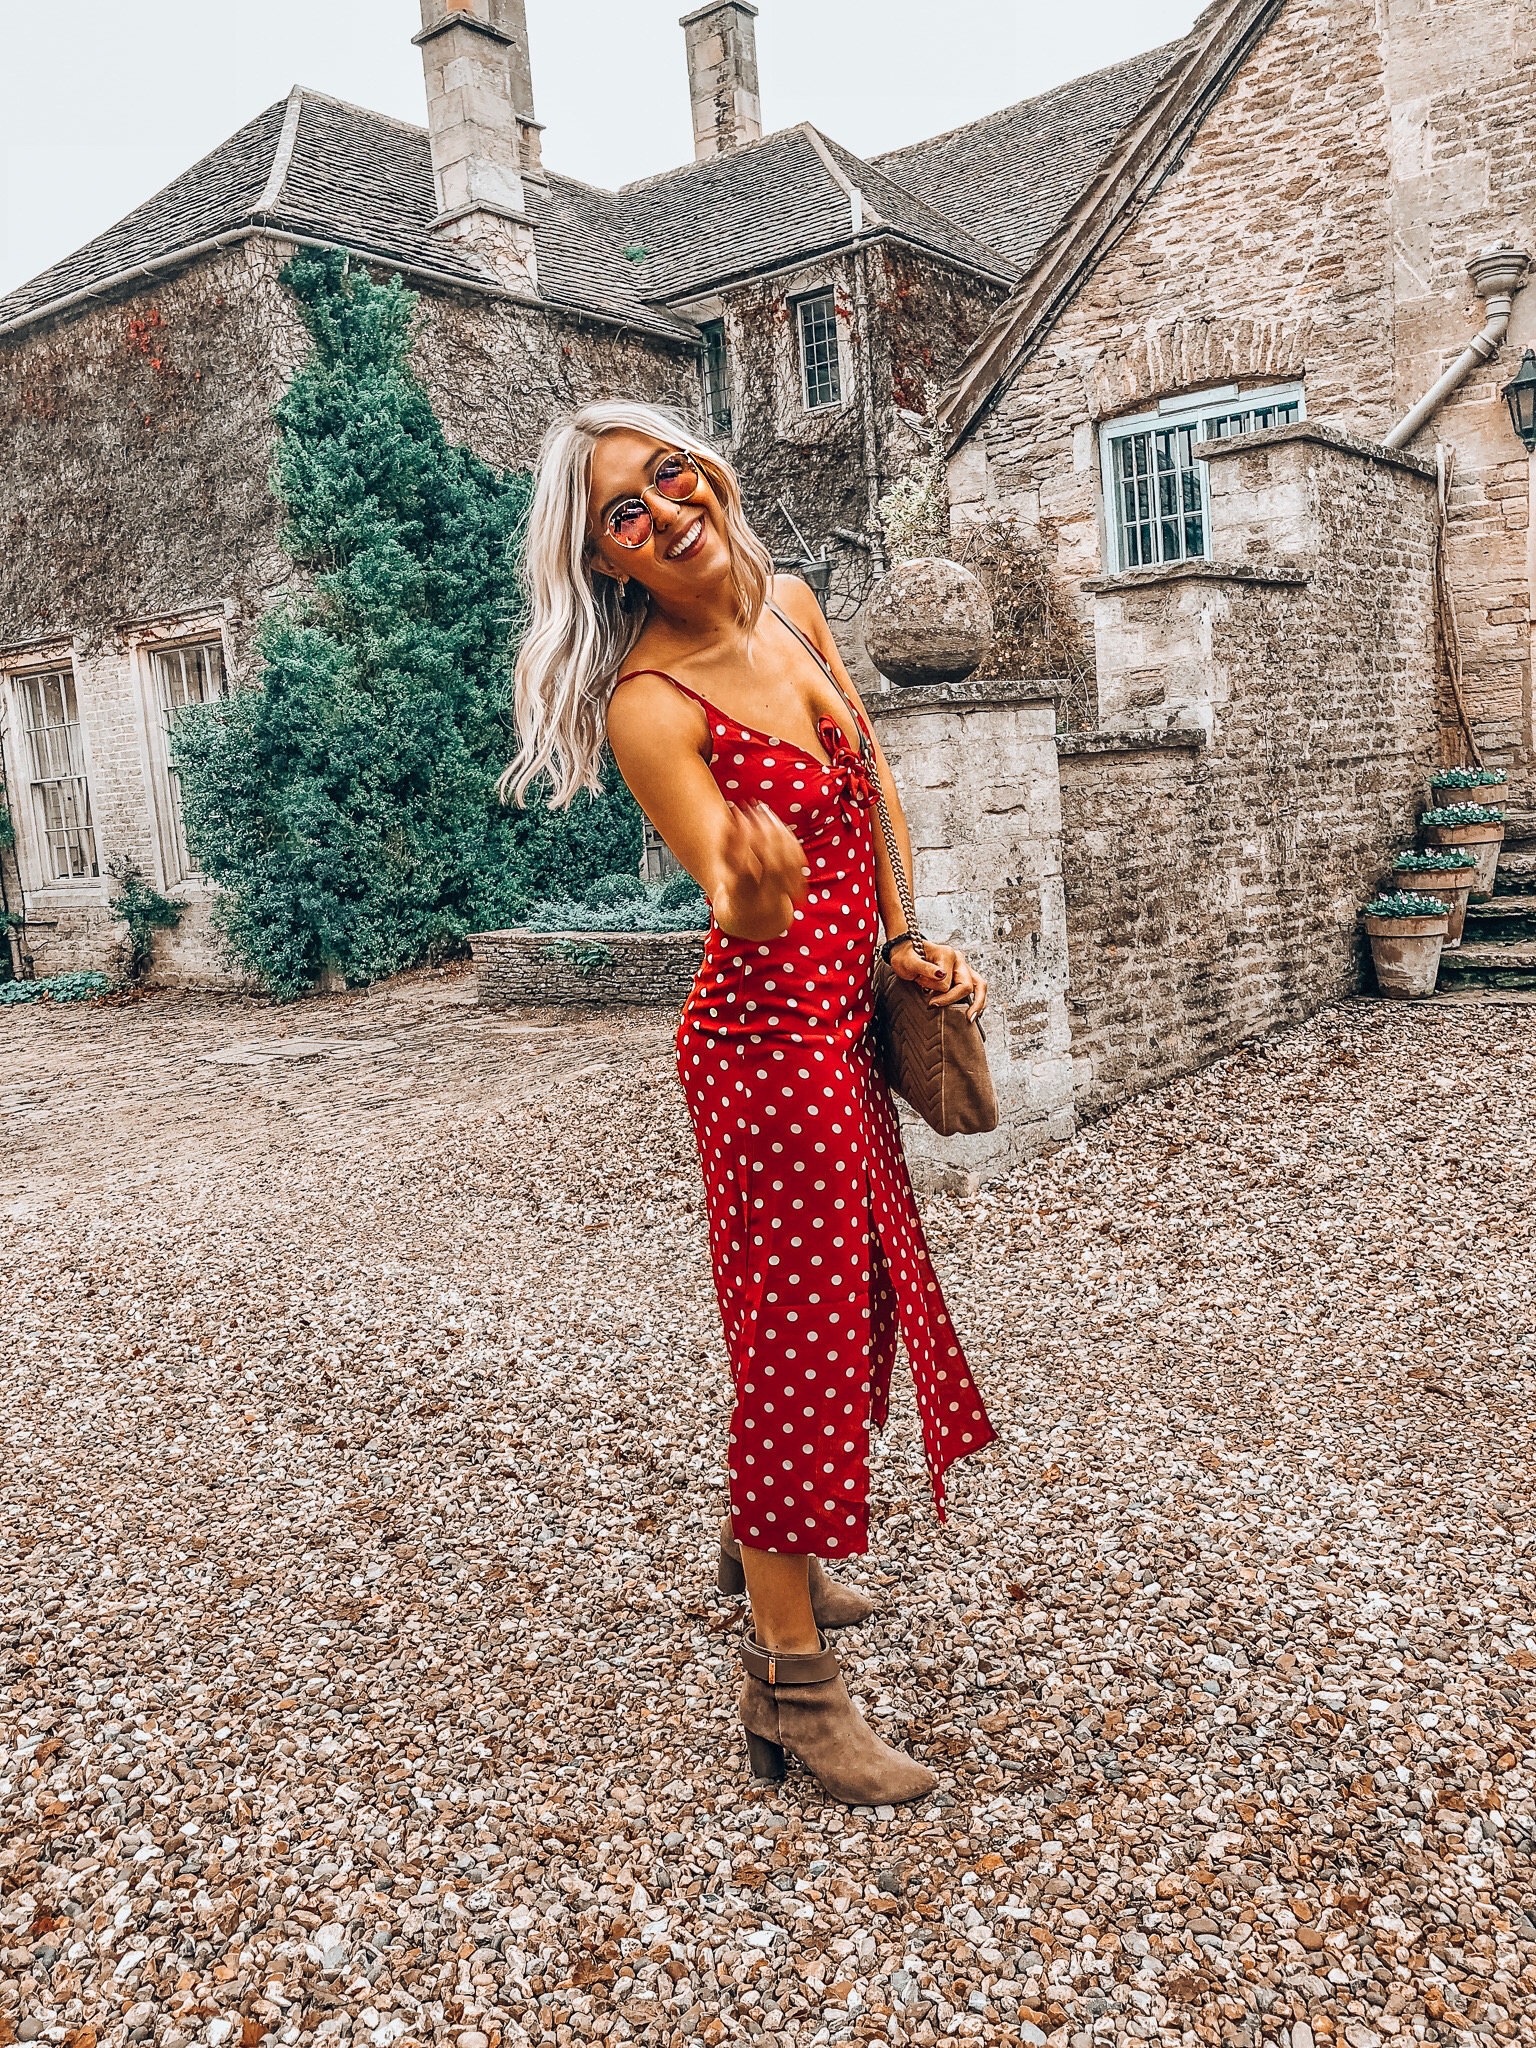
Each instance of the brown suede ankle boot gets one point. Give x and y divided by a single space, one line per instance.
799 1706
834 1606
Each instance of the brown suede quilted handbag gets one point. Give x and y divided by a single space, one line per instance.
934 1059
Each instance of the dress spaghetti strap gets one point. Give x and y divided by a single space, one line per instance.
709 710
822 663
635 674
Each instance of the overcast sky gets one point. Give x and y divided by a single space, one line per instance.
102 102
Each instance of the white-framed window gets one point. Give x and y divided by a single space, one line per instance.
52 749
821 369
193 672
1157 497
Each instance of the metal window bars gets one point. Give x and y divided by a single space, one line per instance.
1160 494
1253 419
61 793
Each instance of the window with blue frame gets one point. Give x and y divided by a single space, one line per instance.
1157 498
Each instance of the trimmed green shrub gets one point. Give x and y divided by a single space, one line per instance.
1403 904
347 808
680 892
623 903
609 890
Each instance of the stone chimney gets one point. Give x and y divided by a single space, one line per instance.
511 17
485 141
722 77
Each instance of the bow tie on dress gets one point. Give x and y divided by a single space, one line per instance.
852 775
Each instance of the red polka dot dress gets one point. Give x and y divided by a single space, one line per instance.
818 1251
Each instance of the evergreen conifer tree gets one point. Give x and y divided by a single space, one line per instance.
347 808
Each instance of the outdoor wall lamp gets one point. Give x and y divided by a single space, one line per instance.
1520 397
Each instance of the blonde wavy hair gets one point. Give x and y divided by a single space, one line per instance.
582 626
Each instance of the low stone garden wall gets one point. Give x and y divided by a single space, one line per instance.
528 970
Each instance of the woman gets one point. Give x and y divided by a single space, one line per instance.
657 623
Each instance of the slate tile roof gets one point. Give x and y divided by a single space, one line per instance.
987 196
772 204
1013 177
364 181
216 193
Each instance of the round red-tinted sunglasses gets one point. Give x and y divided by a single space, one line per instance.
676 478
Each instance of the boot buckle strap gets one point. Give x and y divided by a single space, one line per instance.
775 1668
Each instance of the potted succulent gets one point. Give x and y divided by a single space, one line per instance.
1449 873
1474 826
1406 932
1469 786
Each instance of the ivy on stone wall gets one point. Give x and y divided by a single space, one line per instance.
347 808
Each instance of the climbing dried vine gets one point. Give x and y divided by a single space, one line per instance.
1038 632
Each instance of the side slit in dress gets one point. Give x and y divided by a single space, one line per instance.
818 1250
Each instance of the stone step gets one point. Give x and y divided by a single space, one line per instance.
1517 874
1519 826
1479 964
1502 918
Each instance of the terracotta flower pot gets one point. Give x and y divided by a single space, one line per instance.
1494 795
1453 885
928 621
1483 840
1405 951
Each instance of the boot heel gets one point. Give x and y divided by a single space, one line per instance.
732 1579
767 1760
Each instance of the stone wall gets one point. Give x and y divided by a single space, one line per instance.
532 970
905 323
137 435
1317 229
1269 727
499 373
138 441
976 767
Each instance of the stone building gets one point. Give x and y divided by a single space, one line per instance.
1220 333
1292 229
803 305
1224 402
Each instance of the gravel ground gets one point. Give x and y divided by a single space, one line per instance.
363 1677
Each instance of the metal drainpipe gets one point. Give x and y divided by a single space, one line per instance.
867 379
1497 274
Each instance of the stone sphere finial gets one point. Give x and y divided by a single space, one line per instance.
929 621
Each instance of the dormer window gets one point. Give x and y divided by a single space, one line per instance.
1158 508
821 371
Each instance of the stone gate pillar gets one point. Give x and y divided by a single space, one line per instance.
976 766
